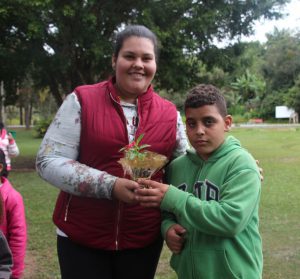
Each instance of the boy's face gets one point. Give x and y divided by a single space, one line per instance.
206 128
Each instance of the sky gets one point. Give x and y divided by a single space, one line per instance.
291 21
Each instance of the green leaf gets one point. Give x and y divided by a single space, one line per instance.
139 139
144 146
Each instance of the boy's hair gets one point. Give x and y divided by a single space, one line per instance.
3 162
135 31
206 94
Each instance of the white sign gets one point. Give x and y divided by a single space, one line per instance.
283 112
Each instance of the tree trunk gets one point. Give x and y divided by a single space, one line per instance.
55 92
28 112
21 115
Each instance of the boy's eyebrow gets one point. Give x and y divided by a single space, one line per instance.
189 118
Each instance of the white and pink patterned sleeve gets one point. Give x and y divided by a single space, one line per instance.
13 149
57 157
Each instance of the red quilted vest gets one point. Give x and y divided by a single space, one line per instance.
110 224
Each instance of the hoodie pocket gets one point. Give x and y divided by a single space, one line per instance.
204 264
212 264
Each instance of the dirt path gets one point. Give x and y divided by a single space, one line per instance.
30 265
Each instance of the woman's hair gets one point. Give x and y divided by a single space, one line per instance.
3 162
135 31
206 94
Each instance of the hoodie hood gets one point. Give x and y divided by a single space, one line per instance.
228 145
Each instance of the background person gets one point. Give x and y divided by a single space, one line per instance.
8 145
13 223
211 222
5 253
5 258
102 231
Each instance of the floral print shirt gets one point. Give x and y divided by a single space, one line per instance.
57 157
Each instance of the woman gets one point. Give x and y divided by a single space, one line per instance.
102 231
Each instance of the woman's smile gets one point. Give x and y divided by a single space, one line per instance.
135 67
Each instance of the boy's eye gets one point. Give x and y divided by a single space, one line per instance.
208 122
191 124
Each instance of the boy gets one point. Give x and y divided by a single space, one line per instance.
211 213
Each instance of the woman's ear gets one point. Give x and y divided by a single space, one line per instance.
1 168
113 62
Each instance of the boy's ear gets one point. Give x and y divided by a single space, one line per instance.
227 122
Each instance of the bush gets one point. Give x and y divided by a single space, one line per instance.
238 118
41 127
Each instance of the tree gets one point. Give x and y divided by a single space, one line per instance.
282 60
249 86
293 96
68 43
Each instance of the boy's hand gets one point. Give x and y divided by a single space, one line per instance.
151 193
175 238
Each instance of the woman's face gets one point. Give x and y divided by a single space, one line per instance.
135 67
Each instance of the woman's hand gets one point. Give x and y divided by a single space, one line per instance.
123 190
261 171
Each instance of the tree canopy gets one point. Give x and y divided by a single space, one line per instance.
62 44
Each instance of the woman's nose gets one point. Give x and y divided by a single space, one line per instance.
138 63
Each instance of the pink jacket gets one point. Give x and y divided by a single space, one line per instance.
9 148
14 225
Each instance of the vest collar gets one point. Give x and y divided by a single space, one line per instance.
144 97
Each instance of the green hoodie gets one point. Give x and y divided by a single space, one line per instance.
217 202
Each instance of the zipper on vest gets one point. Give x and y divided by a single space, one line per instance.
118 229
119 203
67 208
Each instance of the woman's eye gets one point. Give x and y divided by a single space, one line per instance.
147 59
129 57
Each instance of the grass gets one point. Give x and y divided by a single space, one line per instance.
279 154
278 151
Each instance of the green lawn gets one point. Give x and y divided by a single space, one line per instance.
278 151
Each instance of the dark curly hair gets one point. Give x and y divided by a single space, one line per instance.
206 94
3 162
1 126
